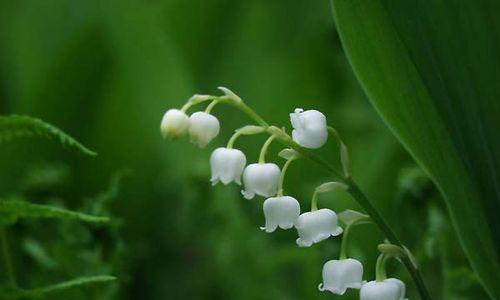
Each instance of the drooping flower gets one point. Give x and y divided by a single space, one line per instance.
203 128
339 275
315 226
227 165
261 179
388 289
174 124
280 212
310 129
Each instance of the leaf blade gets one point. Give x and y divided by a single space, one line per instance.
421 90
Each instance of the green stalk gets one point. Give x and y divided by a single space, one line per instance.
380 273
343 245
263 151
282 176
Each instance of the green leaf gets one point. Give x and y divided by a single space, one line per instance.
15 126
431 69
11 210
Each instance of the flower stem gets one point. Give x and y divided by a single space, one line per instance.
314 201
343 245
211 106
263 151
233 139
353 189
9 269
282 175
380 273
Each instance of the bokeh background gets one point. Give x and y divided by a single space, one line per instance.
106 71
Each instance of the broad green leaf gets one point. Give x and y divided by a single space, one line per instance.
15 126
431 69
11 210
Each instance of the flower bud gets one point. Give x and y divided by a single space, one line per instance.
203 128
227 165
280 211
315 226
261 179
339 275
175 123
389 289
310 129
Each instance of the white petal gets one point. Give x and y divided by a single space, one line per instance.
203 128
310 128
227 165
379 290
174 124
338 275
400 284
261 179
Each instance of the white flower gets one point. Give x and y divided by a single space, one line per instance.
339 275
310 129
280 211
261 179
203 128
389 289
227 165
175 123
315 226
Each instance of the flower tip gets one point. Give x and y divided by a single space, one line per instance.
230 94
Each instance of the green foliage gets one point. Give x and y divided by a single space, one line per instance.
11 210
15 126
106 72
430 68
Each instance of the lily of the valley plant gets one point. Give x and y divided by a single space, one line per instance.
266 179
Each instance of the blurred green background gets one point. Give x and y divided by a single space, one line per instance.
106 71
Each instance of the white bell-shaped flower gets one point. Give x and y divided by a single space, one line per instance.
388 289
309 128
261 179
315 226
203 128
227 165
339 275
174 124
280 212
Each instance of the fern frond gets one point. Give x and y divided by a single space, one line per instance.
11 210
16 126
41 293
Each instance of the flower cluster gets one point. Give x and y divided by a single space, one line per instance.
310 131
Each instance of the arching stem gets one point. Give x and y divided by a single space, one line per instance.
314 201
211 106
380 273
282 175
343 246
263 151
